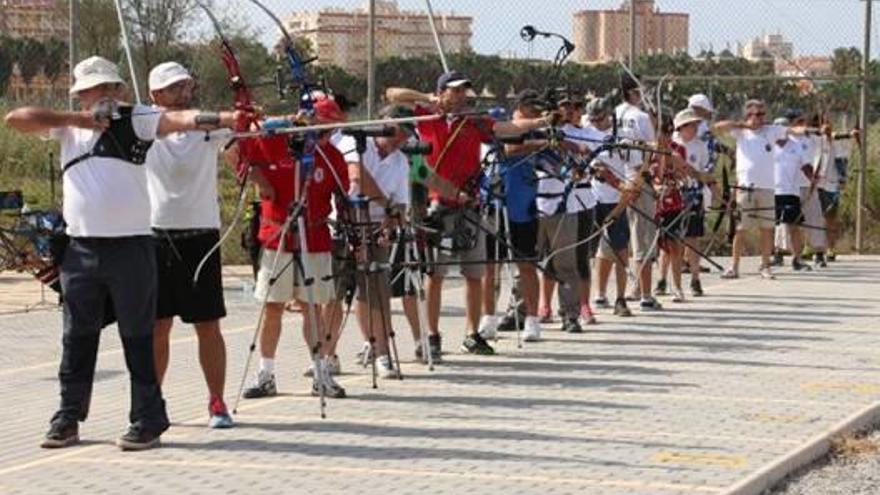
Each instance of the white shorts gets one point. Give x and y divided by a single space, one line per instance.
288 285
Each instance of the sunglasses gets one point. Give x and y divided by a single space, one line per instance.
758 114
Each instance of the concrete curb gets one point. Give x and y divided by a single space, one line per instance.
770 475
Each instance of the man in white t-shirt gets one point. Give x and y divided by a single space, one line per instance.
835 157
111 252
755 180
381 180
636 125
612 250
182 182
791 159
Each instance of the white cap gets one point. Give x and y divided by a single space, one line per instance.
94 71
166 74
701 101
685 117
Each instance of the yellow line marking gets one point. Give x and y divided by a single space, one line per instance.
52 458
685 458
854 387
325 469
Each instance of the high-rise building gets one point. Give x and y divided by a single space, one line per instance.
339 37
603 35
37 19
769 46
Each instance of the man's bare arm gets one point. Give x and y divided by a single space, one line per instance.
191 120
406 96
35 120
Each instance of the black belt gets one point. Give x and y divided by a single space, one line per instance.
177 234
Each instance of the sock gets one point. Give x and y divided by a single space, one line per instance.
267 366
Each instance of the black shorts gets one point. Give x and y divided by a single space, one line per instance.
788 209
830 201
673 226
399 285
495 251
178 254
587 250
696 222
524 239
617 234
344 268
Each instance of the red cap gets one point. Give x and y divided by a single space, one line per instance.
328 112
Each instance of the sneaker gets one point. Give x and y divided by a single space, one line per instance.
475 344
650 304
220 417
511 323
831 257
331 388
767 274
634 296
386 367
138 438
333 367
61 434
419 352
435 347
587 316
545 314
489 327
677 296
264 386
620 308
572 326
819 260
696 288
798 265
778 260
532 330
365 355
730 274
660 290
601 302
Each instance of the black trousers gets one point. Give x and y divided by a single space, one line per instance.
125 270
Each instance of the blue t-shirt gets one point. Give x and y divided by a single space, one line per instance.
520 187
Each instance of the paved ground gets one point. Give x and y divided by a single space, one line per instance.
687 401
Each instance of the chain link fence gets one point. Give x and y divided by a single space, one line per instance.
799 54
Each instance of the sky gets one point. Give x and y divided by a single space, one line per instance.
814 26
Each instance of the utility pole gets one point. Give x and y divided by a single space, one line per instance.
72 43
632 35
863 126
371 60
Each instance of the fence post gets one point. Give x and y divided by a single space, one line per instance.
371 59
632 35
863 125
72 43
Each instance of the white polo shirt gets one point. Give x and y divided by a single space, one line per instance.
182 179
391 174
789 160
604 192
105 197
633 123
754 156
582 196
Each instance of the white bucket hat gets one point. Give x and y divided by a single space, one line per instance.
94 71
685 117
166 74
700 100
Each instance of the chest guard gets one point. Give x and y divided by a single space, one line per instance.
118 141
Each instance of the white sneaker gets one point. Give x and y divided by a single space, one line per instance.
488 327
331 363
677 296
365 356
386 367
766 274
532 329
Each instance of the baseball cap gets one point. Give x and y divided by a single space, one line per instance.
597 107
452 79
530 97
166 74
700 100
94 71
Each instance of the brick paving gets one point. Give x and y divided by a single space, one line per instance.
687 401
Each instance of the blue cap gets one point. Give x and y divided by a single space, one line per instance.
452 79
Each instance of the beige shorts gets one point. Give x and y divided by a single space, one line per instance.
288 285
758 209
642 230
